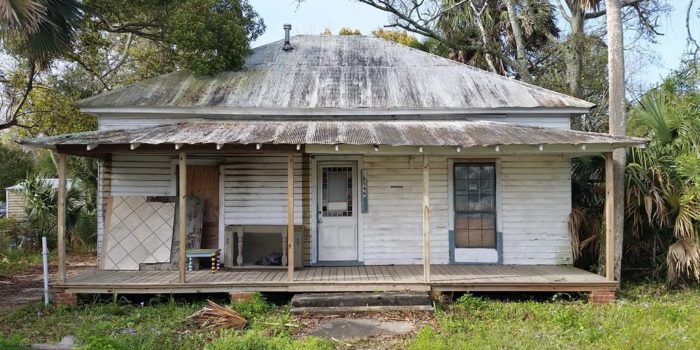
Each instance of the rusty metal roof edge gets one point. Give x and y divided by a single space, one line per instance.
137 135
302 112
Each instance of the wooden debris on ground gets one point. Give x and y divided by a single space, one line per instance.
215 316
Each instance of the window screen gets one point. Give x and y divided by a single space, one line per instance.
475 205
337 191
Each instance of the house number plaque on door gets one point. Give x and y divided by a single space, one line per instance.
364 189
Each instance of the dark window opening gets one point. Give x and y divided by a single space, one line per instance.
475 205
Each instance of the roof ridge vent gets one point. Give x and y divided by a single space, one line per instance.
287 45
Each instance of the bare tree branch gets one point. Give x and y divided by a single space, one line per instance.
11 119
421 26
87 68
149 30
600 13
413 25
562 11
691 39
482 31
122 58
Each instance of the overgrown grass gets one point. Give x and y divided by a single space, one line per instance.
163 324
646 317
14 261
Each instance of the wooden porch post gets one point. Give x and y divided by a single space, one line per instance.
182 215
426 219
290 217
610 218
61 217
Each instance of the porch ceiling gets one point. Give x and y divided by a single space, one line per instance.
391 133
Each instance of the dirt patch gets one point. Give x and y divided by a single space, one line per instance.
379 341
26 287
351 328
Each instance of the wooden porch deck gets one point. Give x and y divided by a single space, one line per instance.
444 278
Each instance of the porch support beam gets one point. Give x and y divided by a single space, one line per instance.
182 214
610 231
290 217
426 219
61 217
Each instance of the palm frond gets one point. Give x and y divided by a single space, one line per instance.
56 32
20 16
683 259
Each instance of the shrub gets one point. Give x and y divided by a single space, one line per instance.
12 343
470 302
10 230
255 307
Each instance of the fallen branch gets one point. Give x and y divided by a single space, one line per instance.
341 342
215 316
283 324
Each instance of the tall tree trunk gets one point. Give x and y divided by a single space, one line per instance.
520 58
617 124
575 49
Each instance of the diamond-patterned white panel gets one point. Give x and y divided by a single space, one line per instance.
140 232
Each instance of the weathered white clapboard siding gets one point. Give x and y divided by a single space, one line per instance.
15 204
142 175
536 202
393 226
104 186
128 122
255 190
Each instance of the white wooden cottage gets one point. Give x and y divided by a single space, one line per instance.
406 171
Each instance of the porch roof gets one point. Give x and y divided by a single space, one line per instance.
388 133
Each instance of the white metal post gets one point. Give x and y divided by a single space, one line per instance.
45 256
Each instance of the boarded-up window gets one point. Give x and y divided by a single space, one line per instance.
475 205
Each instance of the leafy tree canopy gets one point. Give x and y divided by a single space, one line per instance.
101 45
348 31
400 37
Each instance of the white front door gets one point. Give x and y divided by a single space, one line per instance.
337 211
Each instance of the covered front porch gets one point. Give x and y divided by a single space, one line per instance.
402 203
444 278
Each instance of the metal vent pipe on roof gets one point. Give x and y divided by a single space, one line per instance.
287 45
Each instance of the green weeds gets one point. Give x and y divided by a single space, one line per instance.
645 317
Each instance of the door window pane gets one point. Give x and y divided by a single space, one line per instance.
336 187
475 205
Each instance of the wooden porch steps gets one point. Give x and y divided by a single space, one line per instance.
340 303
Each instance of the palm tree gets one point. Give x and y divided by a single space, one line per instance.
664 180
41 208
662 211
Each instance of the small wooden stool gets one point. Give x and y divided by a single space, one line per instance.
203 253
